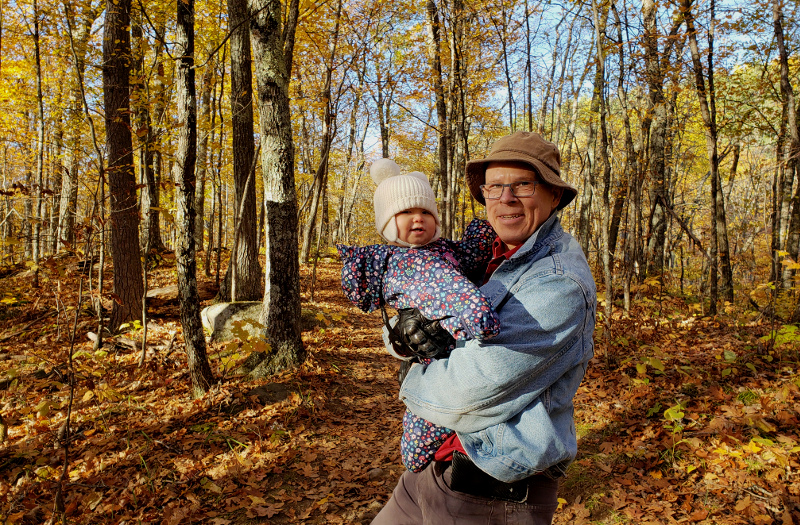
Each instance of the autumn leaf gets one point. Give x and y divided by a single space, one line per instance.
742 504
264 511
698 515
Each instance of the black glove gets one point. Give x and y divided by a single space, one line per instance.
415 335
405 366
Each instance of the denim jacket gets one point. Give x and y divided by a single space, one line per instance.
510 398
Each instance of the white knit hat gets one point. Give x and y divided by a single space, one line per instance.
395 193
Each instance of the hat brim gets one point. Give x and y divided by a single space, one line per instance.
476 175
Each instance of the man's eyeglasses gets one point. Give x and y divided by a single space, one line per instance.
525 188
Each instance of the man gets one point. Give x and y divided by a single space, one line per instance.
509 399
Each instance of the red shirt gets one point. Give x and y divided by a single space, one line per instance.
500 253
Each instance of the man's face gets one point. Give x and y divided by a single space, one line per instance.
516 218
415 226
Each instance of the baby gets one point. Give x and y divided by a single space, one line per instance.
418 269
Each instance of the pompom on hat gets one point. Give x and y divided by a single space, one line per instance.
397 192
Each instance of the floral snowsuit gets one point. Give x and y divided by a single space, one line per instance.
434 279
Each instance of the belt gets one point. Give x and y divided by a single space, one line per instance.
467 478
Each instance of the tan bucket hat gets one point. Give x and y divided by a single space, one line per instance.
529 148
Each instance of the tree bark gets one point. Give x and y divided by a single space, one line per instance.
339 229
147 138
383 102
38 218
155 166
202 155
281 314
501 27
791 163
434 42
590 182
630 186
124 215
245 261
706 99
185 158
778 198
600 16
657 121
458 153
320 187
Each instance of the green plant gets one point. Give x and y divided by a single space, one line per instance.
674 422
653 365
729 358
747 397
674 417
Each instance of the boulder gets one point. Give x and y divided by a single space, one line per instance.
237 320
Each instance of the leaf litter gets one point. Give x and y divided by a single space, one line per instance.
685 419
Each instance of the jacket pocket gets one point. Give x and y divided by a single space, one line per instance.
491 440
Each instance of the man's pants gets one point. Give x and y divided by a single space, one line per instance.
425 498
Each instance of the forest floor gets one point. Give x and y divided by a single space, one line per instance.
684 419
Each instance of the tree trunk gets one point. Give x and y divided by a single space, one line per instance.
347 206
383 102
214 208
57 171
573 120
185 158
38 218
457 116
69 179
245 261
202 155
604 165
155 168
317 189
145 135
657 131
708 111
630 184
434 41
124 216
787 95
338 230
778 198
78 110
591 165
281 314
501 27
328 132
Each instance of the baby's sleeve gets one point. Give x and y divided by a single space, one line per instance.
421 279
363 269
474 251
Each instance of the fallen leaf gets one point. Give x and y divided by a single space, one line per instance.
743 504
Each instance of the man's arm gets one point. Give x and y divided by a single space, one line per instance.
481 385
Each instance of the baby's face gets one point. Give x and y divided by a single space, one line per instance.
415 226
